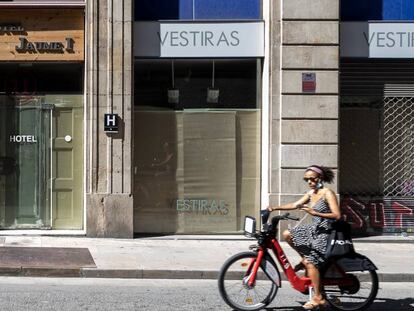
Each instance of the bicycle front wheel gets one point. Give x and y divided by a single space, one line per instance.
233 287
357 293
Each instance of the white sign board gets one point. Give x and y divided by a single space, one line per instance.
207 40
377 40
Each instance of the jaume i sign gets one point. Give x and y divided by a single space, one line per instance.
193 39
44 47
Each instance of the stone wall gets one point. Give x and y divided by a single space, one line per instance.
109 200
304 126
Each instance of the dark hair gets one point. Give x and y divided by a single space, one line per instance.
325 173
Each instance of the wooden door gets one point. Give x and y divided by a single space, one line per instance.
67 170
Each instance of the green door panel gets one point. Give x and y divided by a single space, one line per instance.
67 207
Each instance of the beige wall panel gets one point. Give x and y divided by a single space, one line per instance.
275 10
274 165
302 156
249 204
43 26
275 156
210 171
310 131
292 182
312 57
248 144
317 9
274 181
326 81
310 32
275 132
109 216
303 106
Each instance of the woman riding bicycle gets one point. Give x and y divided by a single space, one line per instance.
310 241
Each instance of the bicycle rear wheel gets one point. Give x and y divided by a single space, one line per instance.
233 287
357 293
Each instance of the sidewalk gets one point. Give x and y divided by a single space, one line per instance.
192 257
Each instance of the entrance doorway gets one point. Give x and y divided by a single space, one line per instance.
41 162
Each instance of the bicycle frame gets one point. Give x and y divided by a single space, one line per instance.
301 283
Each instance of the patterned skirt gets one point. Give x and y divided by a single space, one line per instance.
310 241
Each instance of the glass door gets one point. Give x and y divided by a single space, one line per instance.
25 162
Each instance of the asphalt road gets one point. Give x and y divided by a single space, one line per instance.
127 294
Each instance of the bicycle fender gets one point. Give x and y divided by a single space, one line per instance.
356 262
270 269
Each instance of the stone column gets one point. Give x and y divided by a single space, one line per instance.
109 200
304 125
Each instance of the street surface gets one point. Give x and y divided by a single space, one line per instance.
23 293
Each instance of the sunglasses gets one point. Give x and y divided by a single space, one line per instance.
312 179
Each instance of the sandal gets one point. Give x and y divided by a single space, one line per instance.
312 305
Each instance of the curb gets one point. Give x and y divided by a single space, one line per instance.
151 274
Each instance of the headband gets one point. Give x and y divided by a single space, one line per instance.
315 169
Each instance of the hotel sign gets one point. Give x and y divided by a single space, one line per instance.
377 40
34 35
191 39
43 47
11 28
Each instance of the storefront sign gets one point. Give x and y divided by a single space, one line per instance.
202 206
41 35
153 39
23 139
42 47
10 28
377 40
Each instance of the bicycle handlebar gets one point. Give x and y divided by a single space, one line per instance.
265 216
275 220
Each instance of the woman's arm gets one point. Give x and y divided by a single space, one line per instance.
290 206
335 213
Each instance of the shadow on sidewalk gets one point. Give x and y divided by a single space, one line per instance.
381 304
386 304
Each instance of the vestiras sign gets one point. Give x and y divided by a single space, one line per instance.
190 39
377 40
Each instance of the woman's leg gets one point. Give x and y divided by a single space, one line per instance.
313 274
287 236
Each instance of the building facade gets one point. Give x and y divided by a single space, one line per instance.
160 117
376 108
42 61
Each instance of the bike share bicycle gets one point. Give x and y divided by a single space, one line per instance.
250 280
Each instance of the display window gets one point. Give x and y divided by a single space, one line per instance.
196 144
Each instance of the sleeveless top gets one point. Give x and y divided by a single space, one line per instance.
310 240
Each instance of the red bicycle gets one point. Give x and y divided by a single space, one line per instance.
250 280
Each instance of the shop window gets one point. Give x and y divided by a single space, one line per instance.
197 144
46 78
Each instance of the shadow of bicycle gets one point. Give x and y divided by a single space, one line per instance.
380 304
386 304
